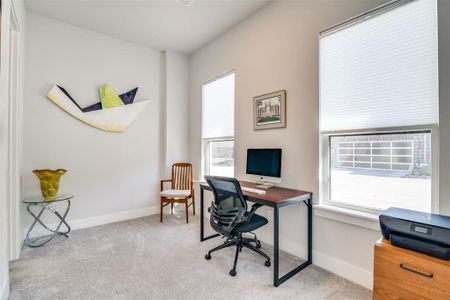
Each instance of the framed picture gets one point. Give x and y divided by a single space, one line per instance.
269 110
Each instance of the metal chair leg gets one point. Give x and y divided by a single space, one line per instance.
251 247
238 248
227 244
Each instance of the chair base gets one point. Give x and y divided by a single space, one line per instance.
240 242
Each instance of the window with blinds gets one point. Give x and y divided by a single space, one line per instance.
379 108
218 126
218 107
382 71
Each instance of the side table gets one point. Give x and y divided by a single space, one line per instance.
43 205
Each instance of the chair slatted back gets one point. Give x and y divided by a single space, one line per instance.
229 205
182 177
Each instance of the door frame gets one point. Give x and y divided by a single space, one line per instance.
14 140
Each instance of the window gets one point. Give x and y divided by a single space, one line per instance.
219 158
218 126
379 109
382 170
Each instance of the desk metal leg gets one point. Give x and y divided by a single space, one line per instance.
276 245
202 227
276 249
310 208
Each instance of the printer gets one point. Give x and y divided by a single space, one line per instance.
418 231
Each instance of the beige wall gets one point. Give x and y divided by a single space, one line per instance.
176 96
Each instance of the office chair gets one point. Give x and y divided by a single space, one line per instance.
230 217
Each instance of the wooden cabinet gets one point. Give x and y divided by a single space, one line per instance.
404 274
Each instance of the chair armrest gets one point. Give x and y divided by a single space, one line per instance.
252 211
162 183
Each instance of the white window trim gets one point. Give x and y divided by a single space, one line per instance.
354 217
206 152
354 214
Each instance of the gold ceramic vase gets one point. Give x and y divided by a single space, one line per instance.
49 182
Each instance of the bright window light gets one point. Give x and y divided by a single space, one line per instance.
380 171
218 126
381 72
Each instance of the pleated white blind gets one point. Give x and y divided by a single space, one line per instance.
218 107
381 72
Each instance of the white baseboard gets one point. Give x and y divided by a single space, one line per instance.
4 291
344 269
114 217
100 220
329 263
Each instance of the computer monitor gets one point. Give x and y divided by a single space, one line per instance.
264 165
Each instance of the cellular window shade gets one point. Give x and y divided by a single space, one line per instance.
218 107
381 72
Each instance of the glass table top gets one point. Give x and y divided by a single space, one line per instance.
41 199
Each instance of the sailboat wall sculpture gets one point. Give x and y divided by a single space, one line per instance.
116 119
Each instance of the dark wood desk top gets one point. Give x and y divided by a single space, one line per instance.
274 196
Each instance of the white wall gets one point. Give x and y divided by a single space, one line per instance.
277 48
176 91
9 182
110 174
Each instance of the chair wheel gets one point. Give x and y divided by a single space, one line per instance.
207 257
258 245
233 272
267 263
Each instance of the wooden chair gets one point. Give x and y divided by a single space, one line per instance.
181 191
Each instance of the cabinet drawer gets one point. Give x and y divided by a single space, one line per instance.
400 275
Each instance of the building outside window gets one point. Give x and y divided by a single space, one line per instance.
379 171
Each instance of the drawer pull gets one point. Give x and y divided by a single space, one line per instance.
415 271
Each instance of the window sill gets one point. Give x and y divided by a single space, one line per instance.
354 217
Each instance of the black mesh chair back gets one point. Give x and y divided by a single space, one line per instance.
229 205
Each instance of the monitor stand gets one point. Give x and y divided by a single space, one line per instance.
265 185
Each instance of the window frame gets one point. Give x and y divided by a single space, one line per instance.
205 142
325 165
353 214
207 153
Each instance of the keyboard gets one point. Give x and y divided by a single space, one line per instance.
256 191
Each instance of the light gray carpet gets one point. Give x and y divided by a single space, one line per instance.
143 259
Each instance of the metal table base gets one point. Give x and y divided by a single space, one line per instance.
42 240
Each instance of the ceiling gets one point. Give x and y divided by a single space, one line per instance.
175 25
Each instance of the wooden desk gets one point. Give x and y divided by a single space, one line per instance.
275 197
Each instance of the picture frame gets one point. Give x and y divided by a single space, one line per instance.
269 110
